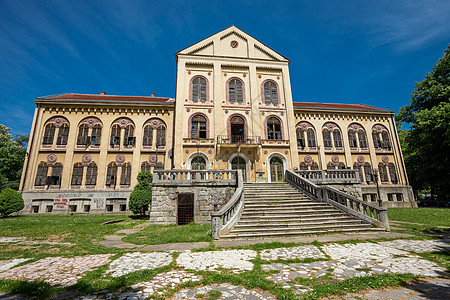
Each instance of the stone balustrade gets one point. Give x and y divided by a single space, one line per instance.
367 212
183 177
340 176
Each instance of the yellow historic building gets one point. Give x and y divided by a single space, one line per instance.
233 110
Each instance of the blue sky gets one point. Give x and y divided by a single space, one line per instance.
369 52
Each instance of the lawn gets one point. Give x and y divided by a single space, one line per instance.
427 216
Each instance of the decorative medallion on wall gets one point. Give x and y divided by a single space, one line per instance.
278 77
189 72
335 159
263 113
307 159
360 159
259 76
286 152
385 159
156 122
282 113
226 152
123 122
247 112
52 158
209 151
265 151
120 158
234 44
225 74
87 158
355 126
209 110
379 128
152 158
226 111
58 121
188 109
186 151
185 100
245 75
330 125
209 73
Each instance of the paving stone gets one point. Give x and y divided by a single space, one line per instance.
236 260
12 239
301 252
228 292
418 246
8 264
136 261
57 270
22 240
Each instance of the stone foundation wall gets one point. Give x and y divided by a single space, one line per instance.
164 207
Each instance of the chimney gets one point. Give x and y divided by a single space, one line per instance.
153 94
102 93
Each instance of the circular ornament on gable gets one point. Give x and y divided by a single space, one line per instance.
209 151
234 44
152 158
385 159
335 159
186 151
286 152
360 159
52 158
87 158
120 158
265 151
307 159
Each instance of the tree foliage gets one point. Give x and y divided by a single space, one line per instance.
10 201
426 144
141 196
12 155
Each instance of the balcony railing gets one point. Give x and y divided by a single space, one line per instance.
340 176
239 140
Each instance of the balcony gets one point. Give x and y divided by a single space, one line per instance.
238 140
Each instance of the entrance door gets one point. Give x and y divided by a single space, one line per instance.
238 163
237 130
276 169
185 208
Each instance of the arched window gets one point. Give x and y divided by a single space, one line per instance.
77 174
148 135
362 138
270 92
125 178
128 138
352 139
115 135
331 166
273 129
392 173
311 137
91 174
376 140
327 138
41 174
235 91
386 142
314 166
145 166
159 166
341 165
303 166
56 174
198 127
63 134
383 172
368 172
111 174
198 163
161 136
337 138
199 89
237 130
357 166
49 134
83 130
96 135
300 138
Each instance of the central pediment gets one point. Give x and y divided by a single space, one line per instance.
233 43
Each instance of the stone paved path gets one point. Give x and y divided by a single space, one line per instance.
227 291
236 260
136 261
8 264
300 252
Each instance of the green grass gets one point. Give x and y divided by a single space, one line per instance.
153 235
427 216
75 229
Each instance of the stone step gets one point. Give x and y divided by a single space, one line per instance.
284 209
318 218
300 233
300 228
288 212
284 204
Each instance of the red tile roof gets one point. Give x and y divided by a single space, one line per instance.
72 96
337 106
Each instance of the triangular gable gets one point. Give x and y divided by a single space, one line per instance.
234 43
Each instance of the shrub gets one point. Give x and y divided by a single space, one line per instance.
10 201
141 196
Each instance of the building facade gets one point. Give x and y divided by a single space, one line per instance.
233 110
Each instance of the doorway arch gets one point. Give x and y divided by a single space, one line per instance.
276 166
239 161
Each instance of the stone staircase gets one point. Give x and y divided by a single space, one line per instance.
279 209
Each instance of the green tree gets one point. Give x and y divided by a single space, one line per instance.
141 196
426 143
10 201
12 155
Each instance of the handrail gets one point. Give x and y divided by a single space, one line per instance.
330 176
239 139
367 212
189 176
224 219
